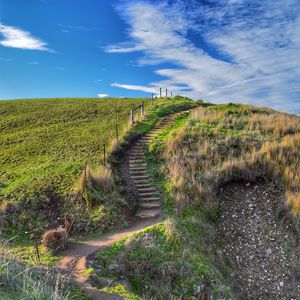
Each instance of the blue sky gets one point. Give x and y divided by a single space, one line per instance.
221 51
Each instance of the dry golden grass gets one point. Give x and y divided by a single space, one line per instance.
232 143
100 177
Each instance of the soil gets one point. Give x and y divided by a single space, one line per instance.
262 252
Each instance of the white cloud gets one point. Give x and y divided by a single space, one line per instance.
136 87
246 52
17 38
102 95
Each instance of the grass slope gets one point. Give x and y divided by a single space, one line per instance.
45 143
96 189
44 147
182 257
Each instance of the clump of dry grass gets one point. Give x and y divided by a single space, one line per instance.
101 178
26 283
217 146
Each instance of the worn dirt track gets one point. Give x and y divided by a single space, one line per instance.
261 252
149 212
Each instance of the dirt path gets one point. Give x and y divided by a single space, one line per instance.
261 252
137 182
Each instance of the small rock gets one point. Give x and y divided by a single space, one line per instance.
198 289
269 252
113 267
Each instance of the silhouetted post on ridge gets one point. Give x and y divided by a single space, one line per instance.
166 93
171 94
159 92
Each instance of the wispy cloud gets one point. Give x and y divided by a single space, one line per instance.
17 38
241 51
68 28
102 95
135 87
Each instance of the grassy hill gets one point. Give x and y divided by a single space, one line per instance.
45 143
44 146
191 161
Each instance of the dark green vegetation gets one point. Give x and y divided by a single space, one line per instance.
182 257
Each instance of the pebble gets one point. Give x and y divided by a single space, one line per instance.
253 236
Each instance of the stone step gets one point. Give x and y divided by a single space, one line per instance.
135 152
146 189
135 166
138 167
153 204
136 161
152 199
149 194
148 213
138 149
140 177
136 156
143 182
138 173
139 182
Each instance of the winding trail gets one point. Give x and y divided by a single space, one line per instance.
137 181
261 252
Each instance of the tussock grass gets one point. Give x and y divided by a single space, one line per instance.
22 282
100 177
233 143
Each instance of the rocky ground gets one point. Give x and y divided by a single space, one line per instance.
262 253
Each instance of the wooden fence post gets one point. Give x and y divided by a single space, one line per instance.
117 132
159 92
132 117
85 171
142 109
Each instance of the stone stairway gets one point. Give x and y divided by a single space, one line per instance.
149 199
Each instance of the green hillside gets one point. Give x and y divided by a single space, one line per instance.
45 143
44 146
